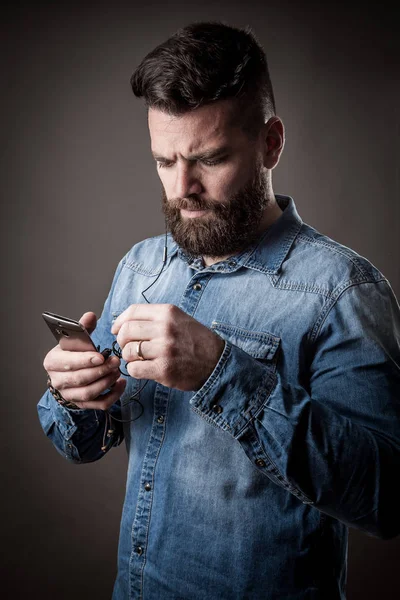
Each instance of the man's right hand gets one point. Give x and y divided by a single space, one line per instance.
81 377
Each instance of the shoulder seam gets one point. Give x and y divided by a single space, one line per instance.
332 301
341 250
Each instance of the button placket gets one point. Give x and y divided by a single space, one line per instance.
194 291
141 522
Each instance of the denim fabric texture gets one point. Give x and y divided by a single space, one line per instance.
245 488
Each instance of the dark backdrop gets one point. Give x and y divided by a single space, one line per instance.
79 188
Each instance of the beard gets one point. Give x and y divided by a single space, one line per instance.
228 228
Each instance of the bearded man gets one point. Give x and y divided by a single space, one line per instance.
260 397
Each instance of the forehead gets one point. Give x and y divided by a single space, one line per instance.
208 126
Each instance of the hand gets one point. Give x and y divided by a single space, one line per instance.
81 377
179 351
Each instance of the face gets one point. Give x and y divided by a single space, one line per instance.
213 176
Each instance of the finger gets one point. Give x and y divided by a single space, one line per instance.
88 320
65 360
137 330
106 400
83 377
148 350
143 312
145 369
89 392
127 315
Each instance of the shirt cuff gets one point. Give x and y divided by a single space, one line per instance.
67 420
236 390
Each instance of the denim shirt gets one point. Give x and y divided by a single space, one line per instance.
245 488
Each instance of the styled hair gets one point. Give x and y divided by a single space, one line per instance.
203 63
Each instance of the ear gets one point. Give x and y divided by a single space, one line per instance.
273 141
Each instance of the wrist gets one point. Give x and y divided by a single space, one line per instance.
58 396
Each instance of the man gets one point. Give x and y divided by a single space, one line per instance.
264 355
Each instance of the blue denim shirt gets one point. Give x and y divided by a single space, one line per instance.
244 489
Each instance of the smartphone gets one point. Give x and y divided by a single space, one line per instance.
70 334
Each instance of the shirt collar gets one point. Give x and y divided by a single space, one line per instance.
266 254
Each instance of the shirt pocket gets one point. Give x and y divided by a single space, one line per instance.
261 345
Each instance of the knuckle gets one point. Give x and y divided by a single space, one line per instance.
85 396
170 310
66 394
169 330
122 336
71 382
67 382
128 353
170 348
47 362
101 372
54 380
166 329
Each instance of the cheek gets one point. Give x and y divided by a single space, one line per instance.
227 183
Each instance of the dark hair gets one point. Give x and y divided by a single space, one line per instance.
203 63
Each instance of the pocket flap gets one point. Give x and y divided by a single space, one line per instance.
259 344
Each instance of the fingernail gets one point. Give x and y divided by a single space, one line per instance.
114 361
97 360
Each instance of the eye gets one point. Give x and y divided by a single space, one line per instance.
215 161
163 164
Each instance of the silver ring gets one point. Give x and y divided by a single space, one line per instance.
139 351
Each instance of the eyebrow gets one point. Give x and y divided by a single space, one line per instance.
206 155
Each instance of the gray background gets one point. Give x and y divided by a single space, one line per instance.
79 188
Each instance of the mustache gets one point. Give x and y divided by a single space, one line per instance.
191 203
194 203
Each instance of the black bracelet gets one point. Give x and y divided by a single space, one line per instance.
58 397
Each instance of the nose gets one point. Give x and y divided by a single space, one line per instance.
187 182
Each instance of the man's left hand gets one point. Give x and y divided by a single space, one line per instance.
179 352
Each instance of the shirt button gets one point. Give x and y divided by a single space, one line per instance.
260 462
147 487
197 286
160 420
217 409
139 550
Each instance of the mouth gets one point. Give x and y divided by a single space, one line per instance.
193 213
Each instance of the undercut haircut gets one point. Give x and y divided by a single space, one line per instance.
203 63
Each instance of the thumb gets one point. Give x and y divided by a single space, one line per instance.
88 320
